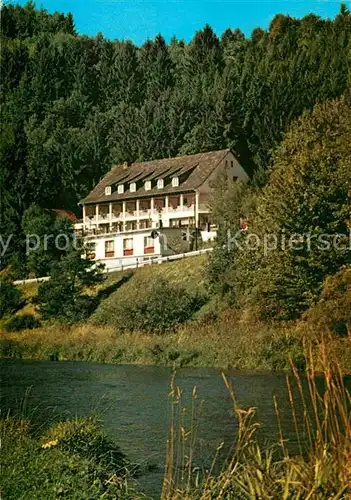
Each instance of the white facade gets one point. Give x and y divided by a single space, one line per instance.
135 230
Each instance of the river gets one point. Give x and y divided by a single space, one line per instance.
133 403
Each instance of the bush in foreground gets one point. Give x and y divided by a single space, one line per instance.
85 437
70 464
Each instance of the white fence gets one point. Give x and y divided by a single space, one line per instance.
140 262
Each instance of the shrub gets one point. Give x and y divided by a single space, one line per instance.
23 322
10 298
280 350
333 311
85 437
155 306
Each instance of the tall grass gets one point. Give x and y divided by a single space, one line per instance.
224 344
321 469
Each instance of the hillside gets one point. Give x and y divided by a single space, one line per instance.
73 105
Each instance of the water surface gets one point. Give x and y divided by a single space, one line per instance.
133 403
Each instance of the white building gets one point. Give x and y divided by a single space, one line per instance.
136 212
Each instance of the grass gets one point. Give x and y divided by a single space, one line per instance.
71 460
188 272
220 345
215 337
321 470
223 344
74 459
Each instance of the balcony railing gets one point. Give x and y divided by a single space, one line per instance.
131 214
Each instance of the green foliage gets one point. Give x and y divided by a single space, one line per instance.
279 351
303 211
29 470
21 322
73 105
332 313
47 235
85 437
62 296
154 306
10 298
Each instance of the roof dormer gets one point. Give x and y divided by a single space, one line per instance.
108 190
120 188
175 181
132 187
160 184
147 185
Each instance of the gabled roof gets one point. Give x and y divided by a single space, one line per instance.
192 170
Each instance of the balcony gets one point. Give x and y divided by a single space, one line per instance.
179 208
103 217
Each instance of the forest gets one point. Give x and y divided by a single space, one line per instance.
73 105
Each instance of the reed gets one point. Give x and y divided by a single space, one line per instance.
321 469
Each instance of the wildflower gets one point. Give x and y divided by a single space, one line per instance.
50 444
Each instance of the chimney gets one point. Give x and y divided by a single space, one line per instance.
125 165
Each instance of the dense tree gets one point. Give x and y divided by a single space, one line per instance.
63 297
298 223
72 105
48 238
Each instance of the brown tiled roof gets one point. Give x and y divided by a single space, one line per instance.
66 214
194 169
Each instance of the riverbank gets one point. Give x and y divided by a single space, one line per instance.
214 337
74 458
70 459
223 344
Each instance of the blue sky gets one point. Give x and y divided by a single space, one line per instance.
138 20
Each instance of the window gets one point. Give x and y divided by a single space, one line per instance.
133 187
120 189
235 178
109 248
104 211
144 224
117 227
128 246
175 181
149 244
232 163
160 184
147 185
131 207
226 164
107 190
131 226
117 209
